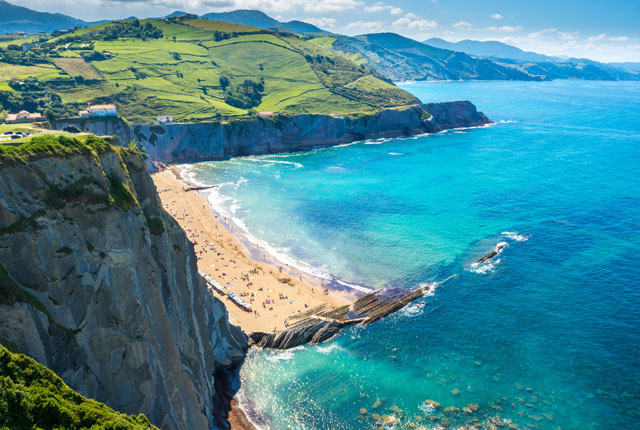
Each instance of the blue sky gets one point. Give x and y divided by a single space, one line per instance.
602 30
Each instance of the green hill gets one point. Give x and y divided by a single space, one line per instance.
401 58
192 69
33 397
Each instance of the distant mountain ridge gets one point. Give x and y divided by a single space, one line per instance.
17 18
256 18
489 49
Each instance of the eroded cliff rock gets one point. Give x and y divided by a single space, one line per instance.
286 133
100 285
218 140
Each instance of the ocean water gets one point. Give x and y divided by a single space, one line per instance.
548 337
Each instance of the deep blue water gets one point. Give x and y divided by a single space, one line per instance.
549 337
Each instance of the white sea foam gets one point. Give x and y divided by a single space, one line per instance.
227 208
397 154
354 286
489 265
484 268
429 287
326 350
271 161
507 122
346 144
513 235
283 355
250 413
412 310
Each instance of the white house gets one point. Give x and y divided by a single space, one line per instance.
98 110
164 119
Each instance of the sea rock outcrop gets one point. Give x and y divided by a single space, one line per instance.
100 285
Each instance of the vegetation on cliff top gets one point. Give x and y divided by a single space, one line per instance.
33 397
192 69
57 145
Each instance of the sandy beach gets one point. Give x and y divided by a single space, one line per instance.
275 293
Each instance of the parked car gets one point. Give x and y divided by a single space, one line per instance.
8 132
16 136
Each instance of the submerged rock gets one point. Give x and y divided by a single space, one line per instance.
395 410
432 403
455 391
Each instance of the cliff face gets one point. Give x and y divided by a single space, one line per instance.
100 285
282 133
263 135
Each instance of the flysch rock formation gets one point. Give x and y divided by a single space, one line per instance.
111 297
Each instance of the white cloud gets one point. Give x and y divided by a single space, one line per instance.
285 6
505 29
367 26
323 22
412 22
462 24
619 39
600 36
496 16
325 5
380 7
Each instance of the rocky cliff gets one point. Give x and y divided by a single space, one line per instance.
100 284
284 133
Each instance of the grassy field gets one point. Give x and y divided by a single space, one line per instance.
199 70
77 67
43 72
34 130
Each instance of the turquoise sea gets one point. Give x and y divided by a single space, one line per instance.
546 338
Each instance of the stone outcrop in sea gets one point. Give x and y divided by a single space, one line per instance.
100 285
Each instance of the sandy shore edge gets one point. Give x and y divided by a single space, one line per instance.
275 293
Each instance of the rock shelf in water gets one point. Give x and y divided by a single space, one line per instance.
323 322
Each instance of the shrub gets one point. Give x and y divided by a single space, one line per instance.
72 129
120 194
156 226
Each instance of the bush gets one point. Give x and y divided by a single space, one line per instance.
72 129
156 226
32 396
121 195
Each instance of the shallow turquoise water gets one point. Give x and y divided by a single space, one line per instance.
548 337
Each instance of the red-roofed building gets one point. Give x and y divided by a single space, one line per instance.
23 116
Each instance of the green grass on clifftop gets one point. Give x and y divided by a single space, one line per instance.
33 397
56 145
193 70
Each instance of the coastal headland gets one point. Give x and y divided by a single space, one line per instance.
278 133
